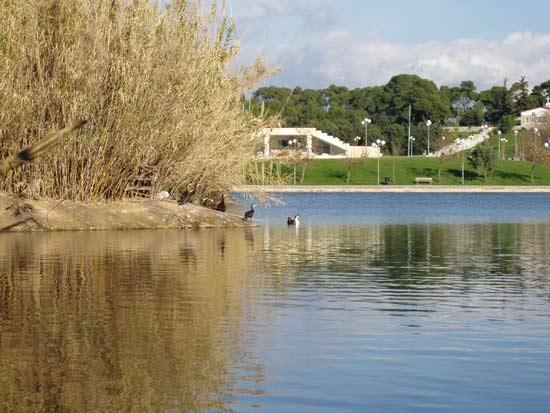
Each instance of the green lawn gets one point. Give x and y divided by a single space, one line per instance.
403 170
508 147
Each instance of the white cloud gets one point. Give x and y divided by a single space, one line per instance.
260 9
337 57
292 16
317 14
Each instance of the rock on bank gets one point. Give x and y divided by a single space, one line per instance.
52 215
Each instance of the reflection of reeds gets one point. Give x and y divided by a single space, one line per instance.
120 321
156 84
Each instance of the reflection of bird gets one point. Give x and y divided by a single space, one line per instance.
221 205
293 221
221 244
188 256
249 214
249 238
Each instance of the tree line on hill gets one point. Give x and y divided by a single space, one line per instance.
339 111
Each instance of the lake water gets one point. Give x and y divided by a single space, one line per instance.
376 303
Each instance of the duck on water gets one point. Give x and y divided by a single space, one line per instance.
293 221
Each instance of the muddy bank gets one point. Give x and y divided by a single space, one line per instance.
45 215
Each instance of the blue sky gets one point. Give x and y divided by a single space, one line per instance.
360 43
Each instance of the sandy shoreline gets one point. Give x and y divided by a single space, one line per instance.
395 189
51 215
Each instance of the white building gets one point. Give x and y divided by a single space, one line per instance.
531 118
314 143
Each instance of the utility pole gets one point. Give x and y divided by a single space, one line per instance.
428 124
409 135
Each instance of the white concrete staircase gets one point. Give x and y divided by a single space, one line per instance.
337 147
467 143
331 140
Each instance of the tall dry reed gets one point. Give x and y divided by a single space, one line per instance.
164 108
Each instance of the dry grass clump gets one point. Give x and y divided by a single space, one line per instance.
164 109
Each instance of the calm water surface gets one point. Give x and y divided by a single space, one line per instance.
377 303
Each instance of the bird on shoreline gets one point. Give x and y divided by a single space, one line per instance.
221 205
206 201
248 215
186 195
293 221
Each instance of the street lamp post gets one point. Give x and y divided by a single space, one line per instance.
516 143
428 124
459 142
366 122
485 129
293 143
499 138
378 144
504 141
410 145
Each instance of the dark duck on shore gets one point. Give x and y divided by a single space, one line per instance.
248 215
221 205
185 196
293 221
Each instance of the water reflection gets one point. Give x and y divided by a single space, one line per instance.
310 319
119 321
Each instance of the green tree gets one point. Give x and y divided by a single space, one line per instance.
484 159
423 96
507 123
463 98
540 92
473 116
520 92
498 102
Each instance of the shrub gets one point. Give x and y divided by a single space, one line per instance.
154 83
484 159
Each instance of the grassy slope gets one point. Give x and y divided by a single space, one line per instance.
334 172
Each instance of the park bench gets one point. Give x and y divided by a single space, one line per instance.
423 180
